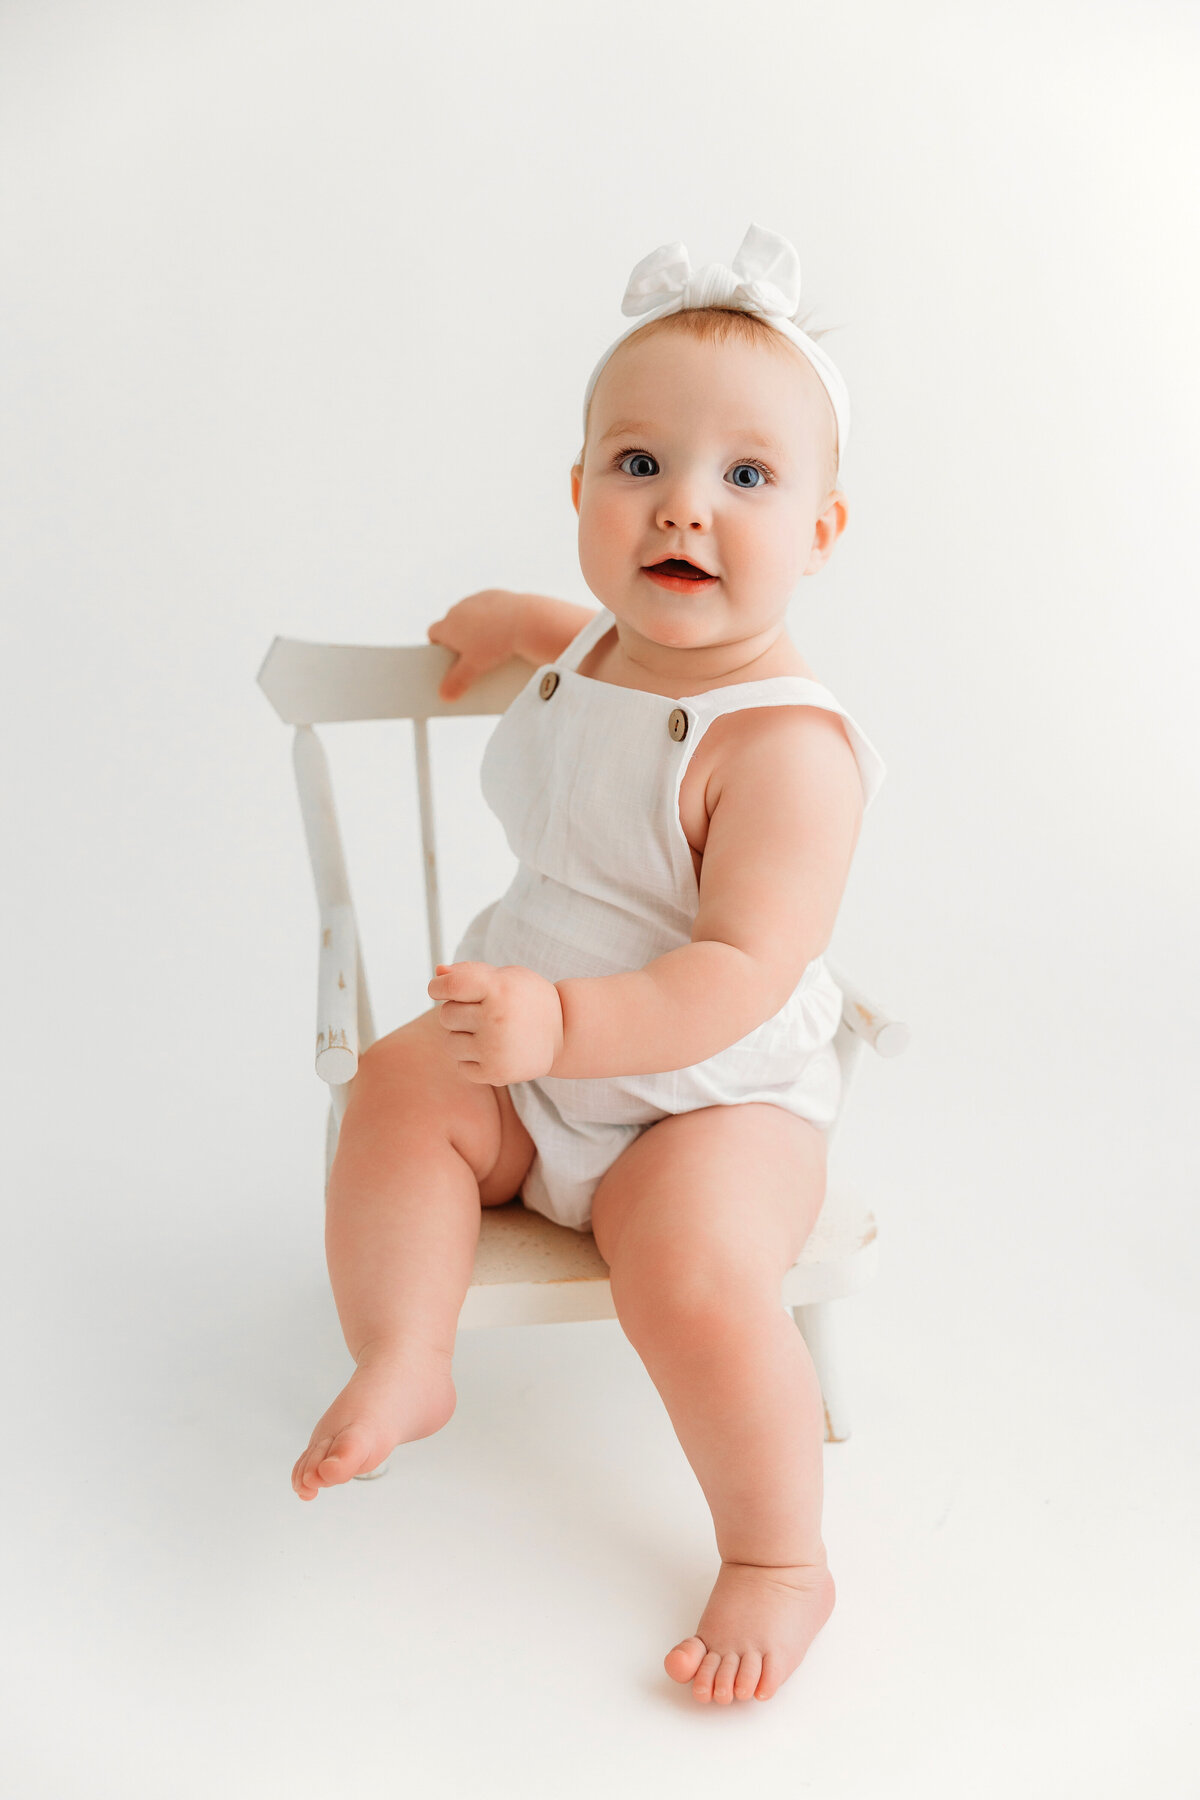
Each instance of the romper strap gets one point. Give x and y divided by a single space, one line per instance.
583 640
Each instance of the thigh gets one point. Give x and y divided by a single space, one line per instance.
736 1188
480 1120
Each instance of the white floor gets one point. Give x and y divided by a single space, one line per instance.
1011 1524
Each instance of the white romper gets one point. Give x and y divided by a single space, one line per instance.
584 776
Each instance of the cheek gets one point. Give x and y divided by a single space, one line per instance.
605 526
770 545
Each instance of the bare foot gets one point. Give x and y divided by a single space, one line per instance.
395 1394
754 1631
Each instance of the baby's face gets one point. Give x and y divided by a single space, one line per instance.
713 453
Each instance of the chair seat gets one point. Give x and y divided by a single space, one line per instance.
531 1271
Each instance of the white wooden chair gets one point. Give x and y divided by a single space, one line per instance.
527 1269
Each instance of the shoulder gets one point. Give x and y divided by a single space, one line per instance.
785 806
782 750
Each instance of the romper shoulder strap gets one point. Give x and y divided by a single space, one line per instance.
583 640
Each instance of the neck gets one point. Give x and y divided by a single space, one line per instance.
699 665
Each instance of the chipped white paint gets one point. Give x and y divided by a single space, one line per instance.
867 1019
337 1002
527 1269
344 1024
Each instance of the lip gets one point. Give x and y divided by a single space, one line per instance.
677 584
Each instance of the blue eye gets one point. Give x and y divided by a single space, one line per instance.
639 456
740 471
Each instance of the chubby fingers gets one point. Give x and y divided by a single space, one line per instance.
461 673
457 679
461 1015
466 981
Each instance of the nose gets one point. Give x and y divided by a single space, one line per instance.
684 506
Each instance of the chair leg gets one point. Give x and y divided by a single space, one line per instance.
817 1329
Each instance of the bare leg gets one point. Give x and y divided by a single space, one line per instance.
699 1219
419 1149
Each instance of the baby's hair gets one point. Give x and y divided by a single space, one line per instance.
716 325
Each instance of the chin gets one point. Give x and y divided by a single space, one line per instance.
674 629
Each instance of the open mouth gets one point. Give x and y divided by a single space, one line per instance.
676 570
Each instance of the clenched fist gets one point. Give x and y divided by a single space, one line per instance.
502 1025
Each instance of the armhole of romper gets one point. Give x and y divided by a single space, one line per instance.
871 766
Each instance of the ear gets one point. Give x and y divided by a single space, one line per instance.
576 484
827 530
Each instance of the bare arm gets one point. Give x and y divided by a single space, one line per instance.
489 627
679 1009
544 627
785 810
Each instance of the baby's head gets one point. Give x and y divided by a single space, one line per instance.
711 438
718 325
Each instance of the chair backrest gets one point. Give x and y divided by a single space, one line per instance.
323 684
316 684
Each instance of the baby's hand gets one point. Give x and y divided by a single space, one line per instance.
481 630
503 1024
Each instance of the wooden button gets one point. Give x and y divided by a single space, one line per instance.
548 684
677 724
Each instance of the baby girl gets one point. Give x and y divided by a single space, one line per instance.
637 1037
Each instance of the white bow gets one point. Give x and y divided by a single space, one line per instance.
765 278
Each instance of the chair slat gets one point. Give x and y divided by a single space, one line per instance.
315 684
337 998
433 908
320 821
344 1022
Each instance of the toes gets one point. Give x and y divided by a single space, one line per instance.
333 1459
737 1675
305 1485
748 1675
723 1680
772 1676
304 1473
682 1662
702 1687
350 1453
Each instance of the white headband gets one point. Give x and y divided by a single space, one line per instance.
764 279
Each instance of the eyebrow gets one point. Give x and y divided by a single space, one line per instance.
625 428
747 435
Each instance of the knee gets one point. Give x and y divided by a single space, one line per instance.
685 1292
402 1080
389 1071
412 1059
407 1089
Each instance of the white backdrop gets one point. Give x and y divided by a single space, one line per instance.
298 305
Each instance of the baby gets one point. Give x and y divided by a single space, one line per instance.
637 1038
